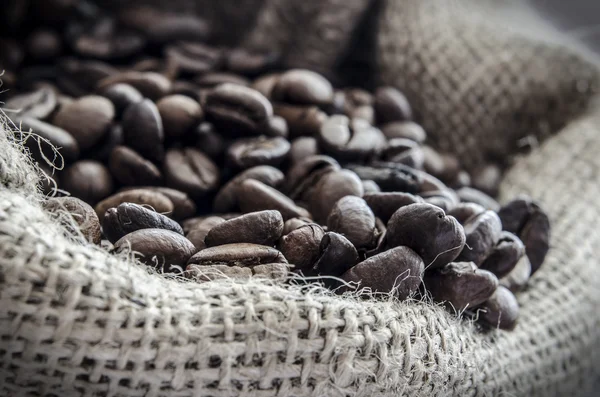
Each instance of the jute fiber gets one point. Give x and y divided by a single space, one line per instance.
77 321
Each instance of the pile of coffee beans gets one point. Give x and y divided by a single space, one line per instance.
214 162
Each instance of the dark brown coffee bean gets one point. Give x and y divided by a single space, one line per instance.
214 79
253 195
463 212
129 217
483 233
470 195
37 104
301 148
487 179
143 130
242 254
159 248
179 114
171 27
183 206
515 214
428 183
301 120
205 138
151 85
294 223
463 179
196 232
88 180
307 172
440 165
436 237
445 199
191 171
265 83
102 150
51 140
122 96
391 105
404 129
398 270
81 75
518 277
501 310
303 87
130 169
352 218
226 198
390 177
82 213
242 61
336 256
461 284
192 57
301 246
155 200
370 187
403 151
262 227
236 110
505 255
536 237
350 140
277 127
384 204
98 113
330 188
104 40
251 152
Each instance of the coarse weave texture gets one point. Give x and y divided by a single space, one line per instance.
76 321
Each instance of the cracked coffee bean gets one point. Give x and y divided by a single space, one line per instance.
129 168
251 152
302 87
88 180
336 255
384 204
253 195
198 232
143 130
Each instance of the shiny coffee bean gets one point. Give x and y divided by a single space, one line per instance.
329 189
130 169
253 195
535 234
82 213
37 104
265 83
250 152
301 246
242 254
352 218
88 180
129 217
122 96
155 200
404 129
501 310
518 277
391 177
384 204
261 227
470 195
505 255
336 256
483 233
197 233
463 212
52 140
350 140
190 171
179 114
302 87
168 28
301 120
205 138
143 130
391 105
301 148
425 228
307 172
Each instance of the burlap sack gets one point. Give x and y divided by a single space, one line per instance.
75 321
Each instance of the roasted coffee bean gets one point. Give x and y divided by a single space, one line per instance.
265 83
104 40
277 127
214 79
253 195
505 255
129 168
403 151
52 140
238 110
206 138
168 28
483 233
370 187
37 104
151 85
404 129
122 96
301 148
250 152
336 256
88 180
82 213
155 200
186 88
536 237
390 177
143 130
306 173
192 57
391 105
98 113
350 140
129 217
242 254
440 165
501 310
427 182
515 214
179 114
518 277
102 150
159 248
242 61
330 188
197 233
445 199
301 246
183 206
301 120
262 227
463 212
191 171
303 87
294 223
461 284
436 237
83 75
487 179
384 204
352 218
398 270
470 195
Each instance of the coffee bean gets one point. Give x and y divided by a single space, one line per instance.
436 237
483 232
168 28
129 168
391 105
262 227
151 85
37 104
301 246
294 223
98 113
303 87
461 284
336 256
330 188
277 127
104 41
536 237
183 206
445 199
52 140
307 172
427 182
505 255
155 200
122 96
301 120
403 151
159 248
102 150
205 138
179 114
238 110
398 270
501 310
193 57
242 254
404 129
440 165
83 75
80 212
190 171
251 152
214 79
43 44
370 187
242 61
515 214
143 130
464 212
350 140
352 218
88 180
265 83
197 233
390 177
129 217
487 179
471 195
518 277
253 195
384 204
